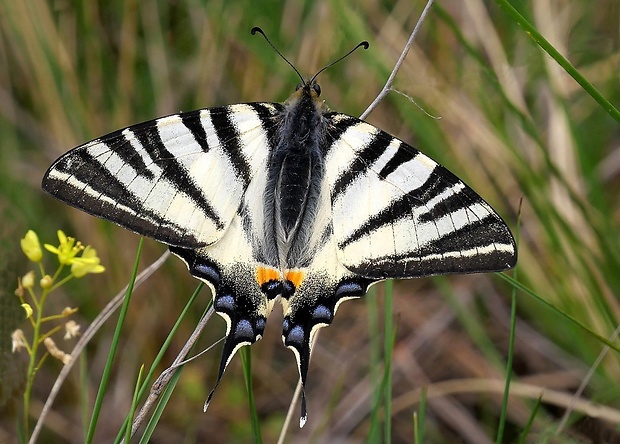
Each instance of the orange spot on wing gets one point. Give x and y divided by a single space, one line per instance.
295 276
266 274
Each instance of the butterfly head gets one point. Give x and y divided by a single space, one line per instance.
310 87
307 93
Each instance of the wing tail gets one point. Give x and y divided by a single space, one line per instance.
306 314
237 298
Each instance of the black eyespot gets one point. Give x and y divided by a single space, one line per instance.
316 88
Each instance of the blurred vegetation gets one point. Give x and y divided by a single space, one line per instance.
513 125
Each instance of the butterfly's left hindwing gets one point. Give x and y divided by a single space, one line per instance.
178 179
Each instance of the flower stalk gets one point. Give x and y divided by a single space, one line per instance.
74 261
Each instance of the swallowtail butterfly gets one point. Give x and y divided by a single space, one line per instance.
286 202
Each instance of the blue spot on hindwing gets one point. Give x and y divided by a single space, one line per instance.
322 314
260 325
296 336
208 272
244 331
349 289
225 303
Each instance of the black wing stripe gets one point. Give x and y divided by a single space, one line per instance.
269 120
121 146
464 198
173 170
403 154
230 142
484 245
338 124
405 205
477 234
88 184
360 166
192 122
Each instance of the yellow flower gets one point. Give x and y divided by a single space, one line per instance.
31 246
28 309
67 250
87 263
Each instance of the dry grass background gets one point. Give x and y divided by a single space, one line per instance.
513 125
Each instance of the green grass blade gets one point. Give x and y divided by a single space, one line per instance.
559 58
529 292
161 406
511 347
167 393
146 384
530 422
419 419
113 346
389 338
246 360
134 403
374 333
511 344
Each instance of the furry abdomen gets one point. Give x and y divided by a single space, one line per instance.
294 182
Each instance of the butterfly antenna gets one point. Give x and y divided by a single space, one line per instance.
261 32
365 44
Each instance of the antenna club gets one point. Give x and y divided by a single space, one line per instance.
363 44
256 29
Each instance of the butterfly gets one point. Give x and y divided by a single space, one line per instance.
288 202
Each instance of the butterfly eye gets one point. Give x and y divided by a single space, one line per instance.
299 86
316 88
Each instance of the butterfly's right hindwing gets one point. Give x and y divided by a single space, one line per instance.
178 179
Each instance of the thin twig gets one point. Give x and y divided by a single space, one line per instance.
164 379
94 327
388 85
384 92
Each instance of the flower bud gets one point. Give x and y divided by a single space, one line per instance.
31 246
28 280
46 281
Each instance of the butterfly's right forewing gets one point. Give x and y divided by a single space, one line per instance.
179 179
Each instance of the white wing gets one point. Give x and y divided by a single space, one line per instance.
178 179
397 213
